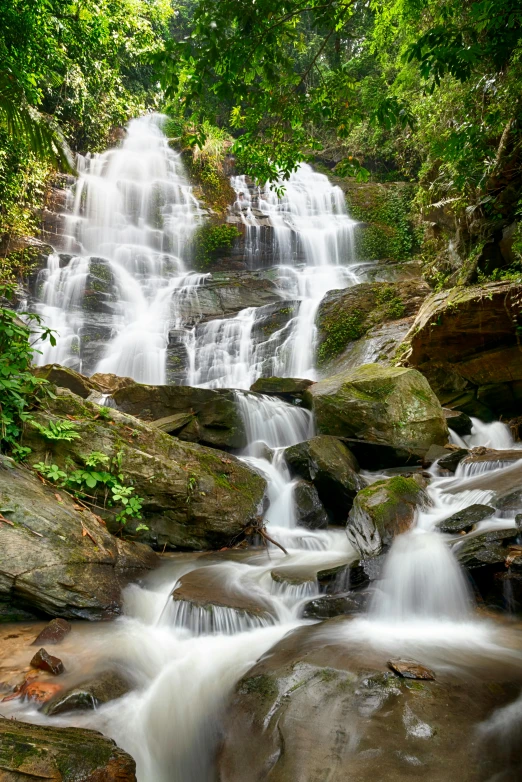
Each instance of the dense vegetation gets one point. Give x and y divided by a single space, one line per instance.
423 91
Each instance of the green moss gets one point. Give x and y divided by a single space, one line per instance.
209 240
262 685
340 328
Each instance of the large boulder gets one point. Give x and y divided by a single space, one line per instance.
289 389
64 377
466 342
390 406
210 417
56 558
383 510
366 322
193 497
320 705
31 753
332 468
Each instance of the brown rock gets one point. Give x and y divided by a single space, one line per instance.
46 662
54 633
409 669
109 383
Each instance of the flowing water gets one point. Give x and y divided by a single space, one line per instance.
133 216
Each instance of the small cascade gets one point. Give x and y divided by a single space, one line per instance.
495 435
202 620
130 225
422 581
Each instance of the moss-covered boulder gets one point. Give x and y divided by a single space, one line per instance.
63 377
466 341
30 753
383 510
215 419
193 497
366 320
392 406
322 705
332 468
56 558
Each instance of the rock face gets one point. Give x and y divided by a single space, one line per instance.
366 322
319 707
56 559
392 406
193 497
29 753
466 342
383 510
203 415
331 467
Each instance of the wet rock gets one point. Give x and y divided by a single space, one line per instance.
509 503
343 577
434 453
409 669
365 322
332 468
458 421
47 662
53 633
481 454
215 419
288 388
392 406
107 686
66 378
31 689
56 559
486 548
328 606
193 497
207 601
321 699
464 520
453 459
383 510
109 383
465 340
35 752
309 509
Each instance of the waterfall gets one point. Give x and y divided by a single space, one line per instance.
129 228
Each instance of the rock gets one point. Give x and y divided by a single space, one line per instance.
215 418
309 509
465 341
109 383
383 510
207 600
46 662
482 454
59 560
332 468
107 686
453 459
509 503
361 320
328 606
193 497
341 578
464 520
434 453
35 752
53 633
288 388
409 669
457 421
392 406
321 705
172 424
486 548
66 378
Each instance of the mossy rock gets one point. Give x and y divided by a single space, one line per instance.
392 406
383 510
35 752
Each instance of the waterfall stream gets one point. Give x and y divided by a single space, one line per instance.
132 218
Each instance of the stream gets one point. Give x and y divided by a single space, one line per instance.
184 661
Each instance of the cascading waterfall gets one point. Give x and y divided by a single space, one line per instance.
129 230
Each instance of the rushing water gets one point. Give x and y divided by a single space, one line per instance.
130 224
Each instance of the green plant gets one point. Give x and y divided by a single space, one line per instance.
209 240
19 388
99 483
58 430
